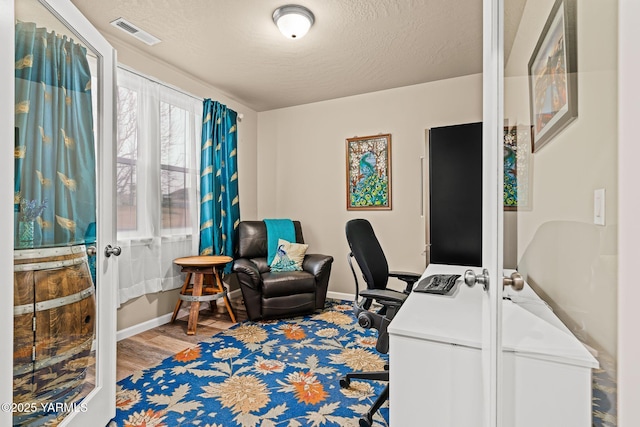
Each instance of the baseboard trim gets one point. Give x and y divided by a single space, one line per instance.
340 296
144 326
158 321
166 318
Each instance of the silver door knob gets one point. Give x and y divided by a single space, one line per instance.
91 251
471 278
515 281
112 250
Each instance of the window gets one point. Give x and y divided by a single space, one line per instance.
156 179
156 176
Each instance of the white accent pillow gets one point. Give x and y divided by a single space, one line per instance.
289 256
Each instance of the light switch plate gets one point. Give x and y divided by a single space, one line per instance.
599 206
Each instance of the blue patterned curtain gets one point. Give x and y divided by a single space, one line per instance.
54 153
220 206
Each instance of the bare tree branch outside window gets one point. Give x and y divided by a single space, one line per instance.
126 162
174 171
176 138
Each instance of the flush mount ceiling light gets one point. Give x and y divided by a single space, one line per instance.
293 20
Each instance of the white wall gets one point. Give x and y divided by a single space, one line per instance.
151 306
561 252
302 170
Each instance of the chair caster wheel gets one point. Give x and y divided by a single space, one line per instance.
345 382
365 422
365 320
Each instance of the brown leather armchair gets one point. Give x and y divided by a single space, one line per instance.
268 294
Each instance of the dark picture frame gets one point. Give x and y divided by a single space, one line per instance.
553 78
369 172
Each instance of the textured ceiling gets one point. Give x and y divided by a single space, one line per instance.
354 47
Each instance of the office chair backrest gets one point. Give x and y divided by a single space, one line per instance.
368 253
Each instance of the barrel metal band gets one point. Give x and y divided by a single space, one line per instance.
53 303
52 265
83 347
48 252
192 298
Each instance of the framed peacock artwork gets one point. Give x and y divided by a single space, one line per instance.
369 173
517 158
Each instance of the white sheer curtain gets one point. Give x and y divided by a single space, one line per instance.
158 138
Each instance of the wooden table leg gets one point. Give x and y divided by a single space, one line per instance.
227 303
195 305
179 302
208 288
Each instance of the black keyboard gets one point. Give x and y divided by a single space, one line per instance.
437 284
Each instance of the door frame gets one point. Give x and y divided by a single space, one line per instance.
7 75
629 212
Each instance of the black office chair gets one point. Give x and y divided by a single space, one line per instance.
368 253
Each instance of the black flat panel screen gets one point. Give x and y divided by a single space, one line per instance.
455 194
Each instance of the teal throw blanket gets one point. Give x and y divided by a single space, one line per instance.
278 229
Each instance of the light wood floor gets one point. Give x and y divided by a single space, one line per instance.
151 347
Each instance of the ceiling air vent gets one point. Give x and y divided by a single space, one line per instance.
136 32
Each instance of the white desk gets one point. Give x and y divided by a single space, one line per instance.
436 362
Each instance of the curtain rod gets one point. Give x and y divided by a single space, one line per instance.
144 76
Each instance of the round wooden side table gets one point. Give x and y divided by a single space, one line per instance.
206 286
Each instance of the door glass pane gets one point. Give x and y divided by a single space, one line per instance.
560 198
55 218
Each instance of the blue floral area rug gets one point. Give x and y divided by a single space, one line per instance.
281 373
604 397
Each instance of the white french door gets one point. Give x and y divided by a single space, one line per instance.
492 220
551 91
62 276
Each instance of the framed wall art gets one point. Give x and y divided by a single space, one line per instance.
369 172
517 158
553 80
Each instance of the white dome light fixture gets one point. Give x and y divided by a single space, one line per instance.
293 20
